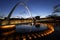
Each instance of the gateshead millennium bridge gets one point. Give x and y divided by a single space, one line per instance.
8 26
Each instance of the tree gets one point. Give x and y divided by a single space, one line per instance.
37 17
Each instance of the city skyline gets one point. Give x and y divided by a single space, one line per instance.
37 7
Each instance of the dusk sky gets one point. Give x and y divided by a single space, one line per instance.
37 7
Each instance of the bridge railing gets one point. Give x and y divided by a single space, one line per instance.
5 22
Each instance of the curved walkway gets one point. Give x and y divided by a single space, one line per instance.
31 36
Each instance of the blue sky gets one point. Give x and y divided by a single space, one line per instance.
37 7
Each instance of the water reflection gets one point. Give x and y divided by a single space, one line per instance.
37 26
29 28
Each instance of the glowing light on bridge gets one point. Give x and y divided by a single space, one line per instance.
7 26
8 33
31 36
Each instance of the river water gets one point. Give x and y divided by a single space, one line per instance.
29 28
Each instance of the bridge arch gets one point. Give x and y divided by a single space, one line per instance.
22 4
